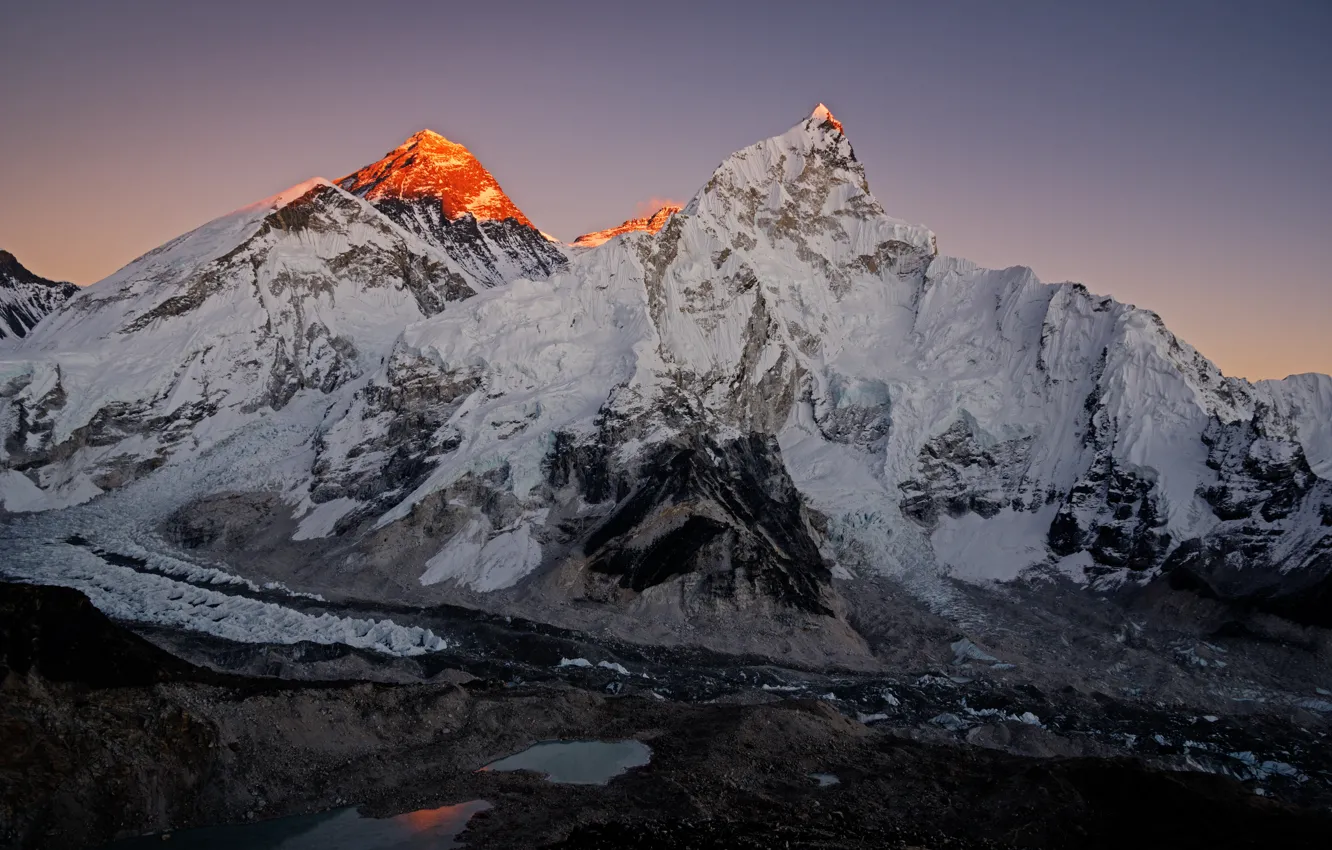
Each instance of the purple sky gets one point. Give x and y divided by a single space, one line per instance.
1173 154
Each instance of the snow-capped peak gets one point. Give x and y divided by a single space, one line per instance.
823 115
801 181
429 166
286 196
25 298
651 224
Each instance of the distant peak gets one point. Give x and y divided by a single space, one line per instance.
13 272
649 224
430 167
823 115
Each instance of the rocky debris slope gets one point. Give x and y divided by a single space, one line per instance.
107 736
25 298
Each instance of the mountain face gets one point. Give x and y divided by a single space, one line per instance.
292 298
26 298
438 190
652 224
696 433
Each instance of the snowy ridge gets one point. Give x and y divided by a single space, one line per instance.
652 224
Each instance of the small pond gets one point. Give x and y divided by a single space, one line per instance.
824 779
578 762
340 829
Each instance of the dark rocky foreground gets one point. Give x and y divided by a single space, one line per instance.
105 735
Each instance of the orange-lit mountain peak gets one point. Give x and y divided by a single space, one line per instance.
823 115
430 166
652 224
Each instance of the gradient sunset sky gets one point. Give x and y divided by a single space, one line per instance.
1173 154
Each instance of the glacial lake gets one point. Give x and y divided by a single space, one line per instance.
340 829
578 762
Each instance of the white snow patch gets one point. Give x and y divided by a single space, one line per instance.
18 494
995 549
320 521
485 564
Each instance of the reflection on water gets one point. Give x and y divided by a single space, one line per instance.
340 829
825 779
578 762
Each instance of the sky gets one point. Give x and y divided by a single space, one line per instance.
1173 154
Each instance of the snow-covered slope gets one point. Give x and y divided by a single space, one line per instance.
25 298
698 426
929 410
303 292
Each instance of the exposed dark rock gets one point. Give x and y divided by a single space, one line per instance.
1114 514
386 449
726 510
1264 492
961 472
26 298
493 252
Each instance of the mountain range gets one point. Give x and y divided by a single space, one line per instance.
699 427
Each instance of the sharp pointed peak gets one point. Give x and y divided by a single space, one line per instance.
430 139
430 167
823 115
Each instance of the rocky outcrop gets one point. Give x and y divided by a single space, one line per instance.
491 252
393 434
725 515
1272 544
963 472
26 298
